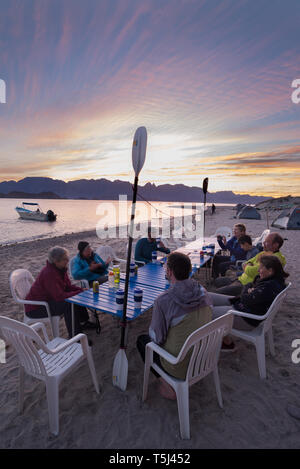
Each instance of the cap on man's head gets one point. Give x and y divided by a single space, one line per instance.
82 245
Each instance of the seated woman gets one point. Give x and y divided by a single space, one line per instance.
54 286
256 297
89 265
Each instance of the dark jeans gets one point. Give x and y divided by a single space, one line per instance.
233 288
59 308
141 343
218 267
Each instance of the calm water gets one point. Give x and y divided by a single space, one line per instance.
75 216
80 215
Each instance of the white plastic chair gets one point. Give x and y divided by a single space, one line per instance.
48 361
173 244
261 238
257 335
206 343
107 251
223 231
83 282
20 282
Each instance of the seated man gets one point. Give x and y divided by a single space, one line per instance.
53 286
222 263
272 244
177 312
251 251
89 265
145 246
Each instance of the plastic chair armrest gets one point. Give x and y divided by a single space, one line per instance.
119 259
247 315
40 326
38 303
78 337
163 353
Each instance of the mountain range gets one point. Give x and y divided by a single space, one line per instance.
103 189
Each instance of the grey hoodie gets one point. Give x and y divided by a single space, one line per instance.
173 305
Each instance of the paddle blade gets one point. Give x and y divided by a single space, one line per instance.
139 149
120 370
205 185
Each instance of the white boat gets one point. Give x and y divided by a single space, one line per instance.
35 213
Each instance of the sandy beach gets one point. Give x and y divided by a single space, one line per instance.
254 413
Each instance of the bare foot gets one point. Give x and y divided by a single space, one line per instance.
166 390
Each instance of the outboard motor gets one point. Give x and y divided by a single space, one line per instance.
51 215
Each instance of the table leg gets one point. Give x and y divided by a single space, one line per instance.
73 325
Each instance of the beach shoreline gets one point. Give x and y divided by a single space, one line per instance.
254 413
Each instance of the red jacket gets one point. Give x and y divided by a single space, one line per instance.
51 284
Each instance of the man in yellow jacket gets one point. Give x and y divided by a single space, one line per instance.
272 245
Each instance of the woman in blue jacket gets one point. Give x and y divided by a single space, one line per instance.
89 265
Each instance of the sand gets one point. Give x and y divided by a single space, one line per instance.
254 413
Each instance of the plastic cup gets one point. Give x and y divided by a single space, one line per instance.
154 257
132 269
138 297
120 299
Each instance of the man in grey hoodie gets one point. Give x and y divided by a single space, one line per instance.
177 312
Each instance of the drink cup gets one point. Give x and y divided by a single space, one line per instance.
132 269
154 257
120 299
116 271
138 297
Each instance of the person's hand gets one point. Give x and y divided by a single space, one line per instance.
224 239
85 288
108 260
94 266
250 290
247 264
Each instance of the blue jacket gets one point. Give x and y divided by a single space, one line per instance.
143 250
80 268
233 246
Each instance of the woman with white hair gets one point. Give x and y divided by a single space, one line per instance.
54 286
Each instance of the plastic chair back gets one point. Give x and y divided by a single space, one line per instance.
206 343
261 238
20 282
273 309
105 251
24 340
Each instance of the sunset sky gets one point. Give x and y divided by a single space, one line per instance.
209 79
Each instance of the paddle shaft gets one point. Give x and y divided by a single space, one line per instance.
128 261
204 188
204 217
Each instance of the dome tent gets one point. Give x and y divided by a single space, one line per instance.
239 207
250 213
288 219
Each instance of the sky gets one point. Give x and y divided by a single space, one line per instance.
211 80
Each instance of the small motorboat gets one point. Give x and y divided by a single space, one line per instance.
35 213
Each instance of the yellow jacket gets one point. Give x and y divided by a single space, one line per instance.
252 266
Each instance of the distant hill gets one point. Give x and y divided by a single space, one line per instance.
27 195
102 189
279 203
